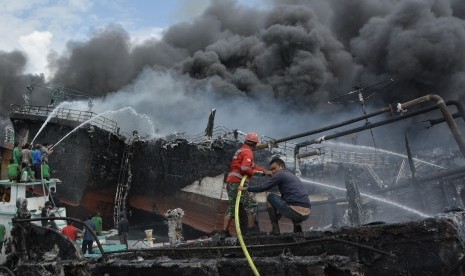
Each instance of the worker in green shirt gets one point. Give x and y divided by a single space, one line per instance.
17 154
97 219
45 171
13 170
2 236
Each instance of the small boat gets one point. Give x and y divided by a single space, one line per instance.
36 194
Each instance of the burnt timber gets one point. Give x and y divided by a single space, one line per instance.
433 246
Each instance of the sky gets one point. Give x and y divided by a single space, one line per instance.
36 27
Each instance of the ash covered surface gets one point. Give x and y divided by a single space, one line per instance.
425 247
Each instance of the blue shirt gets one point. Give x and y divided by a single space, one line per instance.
291 188
36 157
87 235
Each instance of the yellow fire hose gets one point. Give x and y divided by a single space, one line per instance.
238 229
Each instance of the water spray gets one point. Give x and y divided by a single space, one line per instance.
403 207
54 111
88 121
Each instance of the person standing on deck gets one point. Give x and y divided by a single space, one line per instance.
45 150
17 153
45 170
242 164
13 171
26 155
97 219
88 239
123 230
37 161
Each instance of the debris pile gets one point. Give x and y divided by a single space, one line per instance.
174 218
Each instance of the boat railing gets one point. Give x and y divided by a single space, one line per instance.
68 114
218 132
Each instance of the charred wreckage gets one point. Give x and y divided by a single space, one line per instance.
384 219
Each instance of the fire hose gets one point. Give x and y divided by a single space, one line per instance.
238 229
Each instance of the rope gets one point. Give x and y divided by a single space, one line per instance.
238 229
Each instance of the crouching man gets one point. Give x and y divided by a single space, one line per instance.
293 203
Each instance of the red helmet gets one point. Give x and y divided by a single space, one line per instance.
252 137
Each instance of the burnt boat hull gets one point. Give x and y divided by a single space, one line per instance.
87 162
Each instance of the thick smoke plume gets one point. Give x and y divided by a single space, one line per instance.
268 69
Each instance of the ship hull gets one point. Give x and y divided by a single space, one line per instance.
87 162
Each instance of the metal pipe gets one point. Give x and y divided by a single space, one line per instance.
459 107
365 127
343 123
401 107
433 122
71 219
445 113
460 113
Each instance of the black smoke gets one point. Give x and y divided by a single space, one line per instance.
292 55
12 79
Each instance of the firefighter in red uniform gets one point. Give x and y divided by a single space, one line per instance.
242 164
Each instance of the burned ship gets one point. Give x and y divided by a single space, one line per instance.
103 170
152 176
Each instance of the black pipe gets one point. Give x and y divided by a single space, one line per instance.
348 122
460 113
439 104
433 122
445 113
315 131
365 127
459 106
71 219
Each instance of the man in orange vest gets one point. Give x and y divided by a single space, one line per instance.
242 164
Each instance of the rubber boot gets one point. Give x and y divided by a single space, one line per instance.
254 231
274 221
297 227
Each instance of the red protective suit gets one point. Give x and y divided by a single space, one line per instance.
242 164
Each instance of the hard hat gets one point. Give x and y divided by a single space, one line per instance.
252 137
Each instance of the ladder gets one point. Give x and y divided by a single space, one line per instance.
374 175
124 184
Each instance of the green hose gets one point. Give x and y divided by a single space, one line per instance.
238 229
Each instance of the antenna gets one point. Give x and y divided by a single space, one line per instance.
361 94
